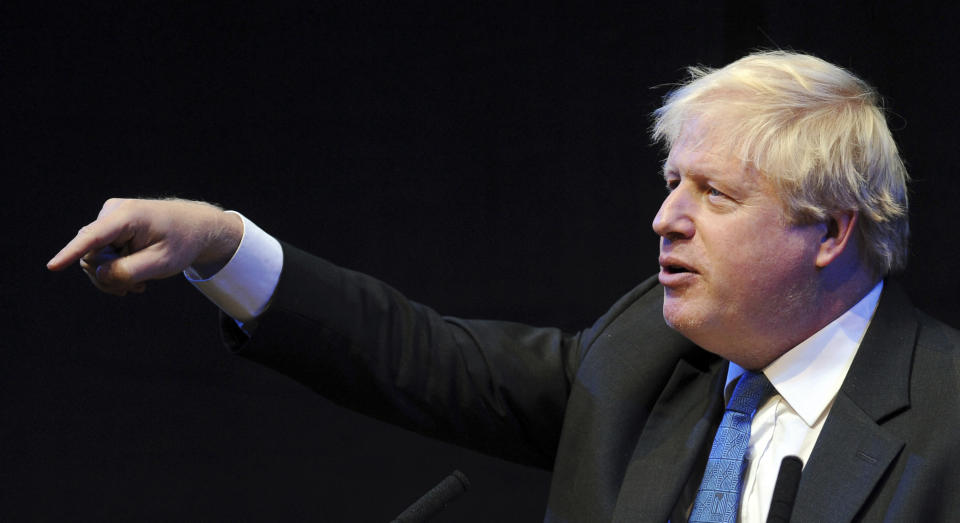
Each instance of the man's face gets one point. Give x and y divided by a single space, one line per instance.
736 273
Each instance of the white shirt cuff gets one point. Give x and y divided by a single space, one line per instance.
244 286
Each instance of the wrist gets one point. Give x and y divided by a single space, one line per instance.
222 243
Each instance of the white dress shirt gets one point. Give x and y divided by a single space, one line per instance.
244 286
807 377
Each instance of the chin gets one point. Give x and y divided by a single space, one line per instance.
695 321
682 317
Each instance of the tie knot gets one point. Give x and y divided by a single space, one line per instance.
750 391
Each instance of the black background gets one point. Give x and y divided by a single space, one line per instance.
491 160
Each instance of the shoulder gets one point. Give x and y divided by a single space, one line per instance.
902 337
937 336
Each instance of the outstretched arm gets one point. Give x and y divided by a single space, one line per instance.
133 241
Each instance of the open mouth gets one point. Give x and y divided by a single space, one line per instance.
675 269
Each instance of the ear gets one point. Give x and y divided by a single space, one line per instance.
840 228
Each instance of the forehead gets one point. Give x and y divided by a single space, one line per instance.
702 154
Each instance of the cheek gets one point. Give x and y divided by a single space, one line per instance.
765 262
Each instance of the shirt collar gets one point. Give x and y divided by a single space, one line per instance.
809 375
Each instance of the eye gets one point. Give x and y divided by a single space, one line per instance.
672 183
713 192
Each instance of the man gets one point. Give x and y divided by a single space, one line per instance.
786 208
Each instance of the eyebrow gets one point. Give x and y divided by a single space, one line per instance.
696 175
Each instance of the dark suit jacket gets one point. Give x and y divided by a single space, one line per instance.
624 411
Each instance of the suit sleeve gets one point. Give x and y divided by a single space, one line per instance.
498 387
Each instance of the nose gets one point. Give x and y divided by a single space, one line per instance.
674 220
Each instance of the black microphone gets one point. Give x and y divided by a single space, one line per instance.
785 491
436 499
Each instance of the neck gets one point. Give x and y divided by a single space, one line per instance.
836 292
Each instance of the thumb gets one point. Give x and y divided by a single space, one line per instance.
131 271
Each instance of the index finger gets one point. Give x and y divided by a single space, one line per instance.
95 235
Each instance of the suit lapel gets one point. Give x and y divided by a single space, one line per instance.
854 450
851 455
680 425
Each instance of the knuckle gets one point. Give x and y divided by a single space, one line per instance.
112 205
104 276
93 236
90 231
112 275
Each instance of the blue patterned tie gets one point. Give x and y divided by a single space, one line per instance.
718 499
